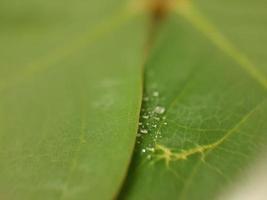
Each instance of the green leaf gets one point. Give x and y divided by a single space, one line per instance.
70 87
203 121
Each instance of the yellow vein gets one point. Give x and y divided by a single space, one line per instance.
83 41
168 155
190 13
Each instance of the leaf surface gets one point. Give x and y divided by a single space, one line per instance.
203 120
70 95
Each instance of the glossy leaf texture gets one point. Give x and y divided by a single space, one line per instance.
203 121
70 95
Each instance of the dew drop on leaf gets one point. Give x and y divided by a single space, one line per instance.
155 93
159 110
144 131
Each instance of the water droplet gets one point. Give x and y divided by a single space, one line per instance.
151 149
159 110
155 93
145 99
157 118
144 131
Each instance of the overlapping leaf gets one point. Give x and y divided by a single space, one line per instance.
203 120
70 87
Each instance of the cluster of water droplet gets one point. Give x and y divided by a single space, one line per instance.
152 118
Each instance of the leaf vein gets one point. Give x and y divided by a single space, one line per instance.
202 24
